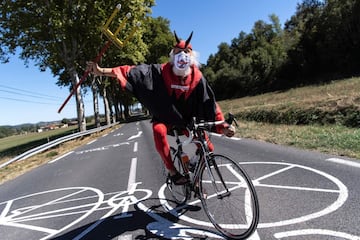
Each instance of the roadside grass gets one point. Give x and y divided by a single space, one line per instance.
332 139
330 100
17 144
17 168
328 97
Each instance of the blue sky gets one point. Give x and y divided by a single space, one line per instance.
30 96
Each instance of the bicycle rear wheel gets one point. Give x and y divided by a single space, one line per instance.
180 193
228 197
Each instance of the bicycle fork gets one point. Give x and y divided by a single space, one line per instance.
220 194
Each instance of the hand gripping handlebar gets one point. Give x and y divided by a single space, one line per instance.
205 125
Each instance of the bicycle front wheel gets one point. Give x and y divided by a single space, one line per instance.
228 197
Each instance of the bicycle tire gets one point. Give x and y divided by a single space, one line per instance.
234 213
180 193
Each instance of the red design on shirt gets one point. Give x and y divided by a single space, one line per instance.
176 85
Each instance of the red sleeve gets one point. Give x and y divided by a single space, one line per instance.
219 116
121 73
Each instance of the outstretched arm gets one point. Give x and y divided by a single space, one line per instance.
95 69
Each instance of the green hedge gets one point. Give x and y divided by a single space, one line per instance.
349 117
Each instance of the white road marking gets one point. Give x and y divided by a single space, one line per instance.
340 189
135 136
135 146
13 218
323 232
345 162
132 175
254 236
256 181
6 209
103 148
222 135
56 159
91 142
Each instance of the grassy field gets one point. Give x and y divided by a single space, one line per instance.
17 144
328 100
323 137
334 96
19 167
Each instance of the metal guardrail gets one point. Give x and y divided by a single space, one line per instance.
54 143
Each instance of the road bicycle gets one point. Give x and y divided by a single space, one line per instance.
225 190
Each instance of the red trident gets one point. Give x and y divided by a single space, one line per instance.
112 39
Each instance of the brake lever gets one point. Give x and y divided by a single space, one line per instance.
231 119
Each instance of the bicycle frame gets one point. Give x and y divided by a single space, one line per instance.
212 181
198 138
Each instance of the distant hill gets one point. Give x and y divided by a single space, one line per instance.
9 130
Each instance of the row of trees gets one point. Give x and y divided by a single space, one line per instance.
63 35
6 131
320 40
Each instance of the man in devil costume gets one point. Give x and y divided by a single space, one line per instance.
173 92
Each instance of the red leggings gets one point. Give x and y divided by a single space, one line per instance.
162 145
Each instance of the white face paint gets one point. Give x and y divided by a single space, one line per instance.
182 63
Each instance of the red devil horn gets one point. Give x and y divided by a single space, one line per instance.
176 37
189 39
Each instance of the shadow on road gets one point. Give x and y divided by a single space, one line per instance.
154 223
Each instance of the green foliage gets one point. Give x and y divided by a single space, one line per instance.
65 121
51 154
158 39
7 131
320 42
249 65
349 117
62 35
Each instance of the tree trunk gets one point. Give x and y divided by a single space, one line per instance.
121 111
107 107
126 111
95 93
79 105
117 113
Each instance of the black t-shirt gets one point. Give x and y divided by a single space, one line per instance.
167 98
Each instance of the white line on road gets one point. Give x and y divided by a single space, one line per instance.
135 136
6 209
345 162
135 146
314 232
56 159
222 135
132 175
254 236
91 142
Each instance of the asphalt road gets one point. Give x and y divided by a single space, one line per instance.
113 188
